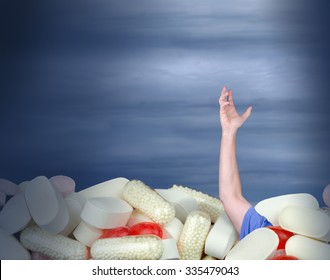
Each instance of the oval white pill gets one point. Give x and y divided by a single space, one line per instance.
3 198
305 221
46 205
221 238
260 244
15 215
183 203
8 187
64 184
139 247
87 234
272 207
11 248
305 248
113 187
326 195
106 212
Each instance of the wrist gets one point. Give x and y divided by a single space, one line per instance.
229 132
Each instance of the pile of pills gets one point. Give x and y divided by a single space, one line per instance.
122 219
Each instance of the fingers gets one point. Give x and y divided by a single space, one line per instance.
223 97
230 98
247 113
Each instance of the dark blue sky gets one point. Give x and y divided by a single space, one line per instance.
103 89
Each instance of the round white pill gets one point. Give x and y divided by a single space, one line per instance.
260 244
137 217
305 221
106 212
15 215
174 228
272 207
87 234
170 250
305 248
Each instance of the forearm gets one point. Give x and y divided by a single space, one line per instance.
229 179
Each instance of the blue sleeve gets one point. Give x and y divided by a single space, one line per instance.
252 220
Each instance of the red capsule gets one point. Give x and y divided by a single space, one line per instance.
146 228
285 257
114 232
282 234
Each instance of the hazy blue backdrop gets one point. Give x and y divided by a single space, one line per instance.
103 89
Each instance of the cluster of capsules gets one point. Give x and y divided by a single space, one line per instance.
123 219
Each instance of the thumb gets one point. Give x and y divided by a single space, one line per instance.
247 113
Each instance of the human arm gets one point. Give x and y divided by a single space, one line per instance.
230 189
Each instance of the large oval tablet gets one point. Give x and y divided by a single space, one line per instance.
106 212
305 221
15 215
3 198
272 207
221 238
182 202
305 248
11 248
260 244
8 187
112 188
46 205
64 184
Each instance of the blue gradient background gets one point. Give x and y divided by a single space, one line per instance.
103 89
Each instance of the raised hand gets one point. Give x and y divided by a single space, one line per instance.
229 118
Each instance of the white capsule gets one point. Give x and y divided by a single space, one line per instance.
11 248
260 244
272 207
15 215
305 248
139 247
113 188
193 236
106 212
221 238
149 202
206 203
57 246
182 202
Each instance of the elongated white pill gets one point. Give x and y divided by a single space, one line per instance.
182 202
15 215
174 229
8 187
193 236
149 202
11 248
87 234
170 250
106 212
206 203
260 244
221 238
64 184
56 246
326 195
139 247
113 187
75 206
305 221
272 207
305 248
46 205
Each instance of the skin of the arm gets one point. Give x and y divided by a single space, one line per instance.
230 189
